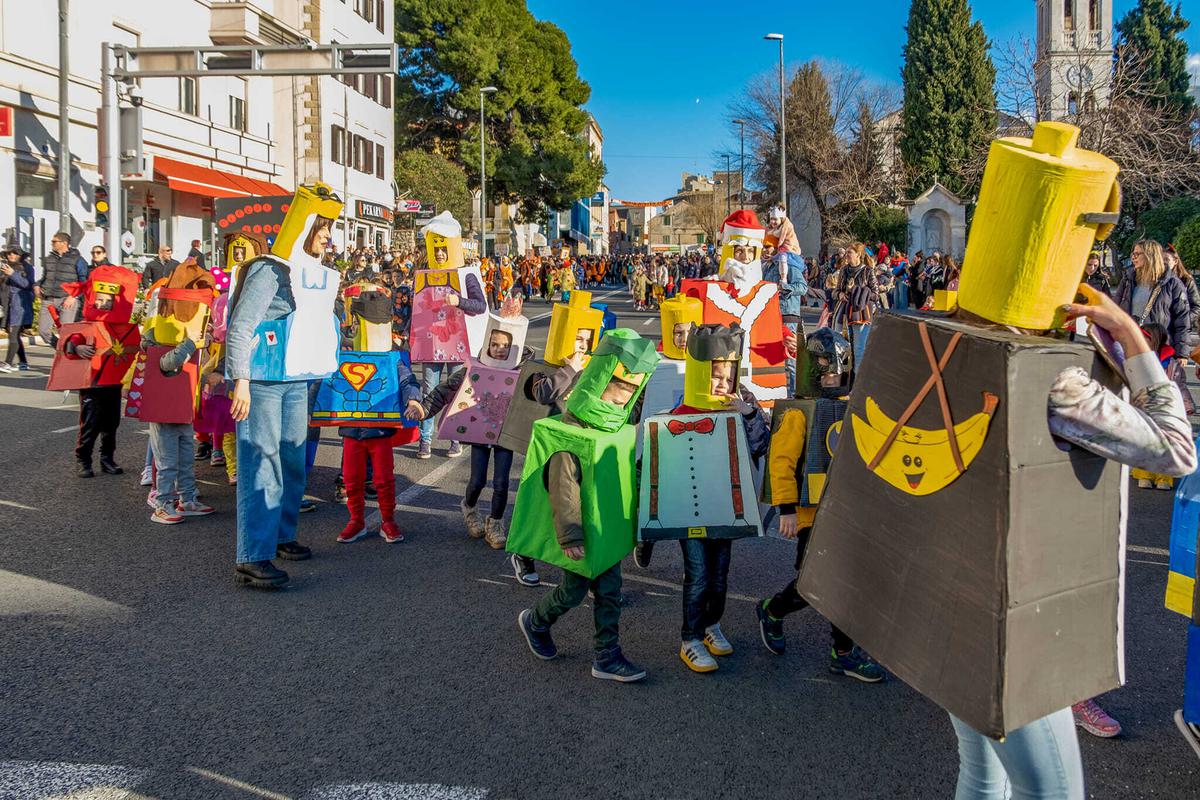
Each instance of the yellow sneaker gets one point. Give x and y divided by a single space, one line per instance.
696 657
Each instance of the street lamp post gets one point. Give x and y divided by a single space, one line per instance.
782 124
727 184
741 123
483 174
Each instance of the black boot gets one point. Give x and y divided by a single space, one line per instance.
262 574
109 466
84 470
293 551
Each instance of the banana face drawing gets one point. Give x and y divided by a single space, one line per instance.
918 461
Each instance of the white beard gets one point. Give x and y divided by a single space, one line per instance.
743 276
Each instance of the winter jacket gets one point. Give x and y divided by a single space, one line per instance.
18 298
1193 295
857 292
57 270
1170 308
156 270
792 287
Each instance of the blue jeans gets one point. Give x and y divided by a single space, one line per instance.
901 295
270 445
175 459
859 332
705 581
431 376
789 365
1039 761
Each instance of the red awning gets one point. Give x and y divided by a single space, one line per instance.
194 179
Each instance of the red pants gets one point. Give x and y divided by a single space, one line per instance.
355 453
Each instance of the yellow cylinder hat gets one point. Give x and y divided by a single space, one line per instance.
706 345
679 310
1043 204
443 242
566 322
309 202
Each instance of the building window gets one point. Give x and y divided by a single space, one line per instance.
1089 102
666 220
379 172
379 15
1072 104
385 91
337 144
699 238
188 96
371 86
1069 15
237 113
1094 15
666 239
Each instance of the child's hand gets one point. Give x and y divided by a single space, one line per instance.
734 402
787 526
574 553
452 300
414 411
85 350
576 362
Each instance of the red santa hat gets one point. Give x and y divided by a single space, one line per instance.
742 227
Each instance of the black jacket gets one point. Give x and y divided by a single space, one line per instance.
57 270
156 270
1170 309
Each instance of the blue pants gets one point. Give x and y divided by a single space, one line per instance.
270 446
1039 761
858 340
1191 677
175 458
789 365
480 454
431 376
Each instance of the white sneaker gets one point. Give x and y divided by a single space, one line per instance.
7 367
148 476
1143 483
696 657
716 642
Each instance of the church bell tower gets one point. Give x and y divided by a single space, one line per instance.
1074 56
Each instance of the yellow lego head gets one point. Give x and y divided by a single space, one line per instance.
573 326
714 356
242 247
443 242
1043 204
308 222
679 316
183 305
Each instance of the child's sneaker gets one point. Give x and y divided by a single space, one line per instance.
1190 732
425 449
339 491
152 498
355 529
164 517
218 458
716 642
770 629
454 450
193 509
148 476
391 532
1095 720
470 514
1166 485
642 554
233 479
612 665
539 640
1145 483
855 664
696 656
524 571
495 533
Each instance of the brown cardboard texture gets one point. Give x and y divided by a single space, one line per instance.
996 593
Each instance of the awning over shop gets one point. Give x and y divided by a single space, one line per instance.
207 182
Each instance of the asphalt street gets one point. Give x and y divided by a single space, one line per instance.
132 667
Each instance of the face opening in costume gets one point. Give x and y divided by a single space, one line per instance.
679 334
318 236
745 253
619 392
103 301
440 254
239 254
723 378
499 345
583 341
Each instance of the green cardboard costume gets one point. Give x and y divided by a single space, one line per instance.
606 453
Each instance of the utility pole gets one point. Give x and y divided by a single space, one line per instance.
64 119
483 175
741 123
110 158
727 184
782 125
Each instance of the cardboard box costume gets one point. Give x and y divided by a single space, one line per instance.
664 391
937 545
1181 585
108 329
605 450
442 333
155 396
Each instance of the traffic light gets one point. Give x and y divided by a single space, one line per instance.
101 207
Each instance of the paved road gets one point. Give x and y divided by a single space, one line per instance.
130 665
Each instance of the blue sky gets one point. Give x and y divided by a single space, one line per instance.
663 72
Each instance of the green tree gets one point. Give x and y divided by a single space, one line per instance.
949 96
1187 243
1163 221
1150 38
880 224
434 180
449 50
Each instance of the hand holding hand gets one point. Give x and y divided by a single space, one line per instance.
240 408
414 411
789 342
69 302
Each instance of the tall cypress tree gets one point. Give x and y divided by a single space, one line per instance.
949 94
1150 40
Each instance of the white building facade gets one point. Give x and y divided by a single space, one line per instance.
1074 56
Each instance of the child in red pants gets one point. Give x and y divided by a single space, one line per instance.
359 444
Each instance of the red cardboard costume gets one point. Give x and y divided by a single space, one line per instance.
107 297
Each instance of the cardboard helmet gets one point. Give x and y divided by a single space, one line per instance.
710 344
370 308
825 352
109 294
312 208
679 310
567 321
1042 205
183 304
742 228
622 355
508 323
443 242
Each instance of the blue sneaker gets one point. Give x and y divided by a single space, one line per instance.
855 664
770 629
539 641
612 665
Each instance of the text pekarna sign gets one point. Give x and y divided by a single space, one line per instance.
373 211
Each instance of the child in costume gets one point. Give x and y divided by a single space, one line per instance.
214 418
803 433
486 400
576 505
711 384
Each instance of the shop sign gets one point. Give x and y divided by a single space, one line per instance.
373 211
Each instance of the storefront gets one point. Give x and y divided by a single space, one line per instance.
372 225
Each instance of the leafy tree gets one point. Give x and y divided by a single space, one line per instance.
949 95
1187 243
1151 35
449 50
1163 221
434 180
880 224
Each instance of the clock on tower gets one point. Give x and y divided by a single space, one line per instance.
1074 56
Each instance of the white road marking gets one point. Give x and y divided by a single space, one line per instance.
668 585
208 483
489 580
64 430
22 506
48 779
1152 551
234 783
397 791
648 322
1155 563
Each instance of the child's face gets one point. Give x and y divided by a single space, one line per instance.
583 341
721 380
679 334
618 392
499 345
103 302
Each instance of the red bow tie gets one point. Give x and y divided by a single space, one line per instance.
677 427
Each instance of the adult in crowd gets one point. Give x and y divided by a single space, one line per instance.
1094 277
62 264
282 333
197 254
1151 294
1175 267
857 294
16 294
160 267
99 255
